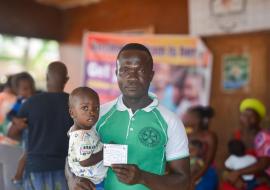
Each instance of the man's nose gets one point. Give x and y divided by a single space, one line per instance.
133 75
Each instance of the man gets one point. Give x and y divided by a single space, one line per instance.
48 121
153 134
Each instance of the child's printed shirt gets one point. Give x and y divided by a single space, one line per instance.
82 144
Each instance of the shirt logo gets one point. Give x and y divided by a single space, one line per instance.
149 137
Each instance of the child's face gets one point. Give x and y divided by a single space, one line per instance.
85 111
24 89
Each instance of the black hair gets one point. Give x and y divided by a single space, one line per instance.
82 91
136 46
204 113
8 84
23 76
236 147
196 143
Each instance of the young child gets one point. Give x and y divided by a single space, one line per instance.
238 159
85 152
196 161
24 85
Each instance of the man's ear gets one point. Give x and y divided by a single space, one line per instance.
67 78
152 75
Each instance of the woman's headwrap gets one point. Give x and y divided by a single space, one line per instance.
254 104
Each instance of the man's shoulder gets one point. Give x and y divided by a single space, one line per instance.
106 107
167 114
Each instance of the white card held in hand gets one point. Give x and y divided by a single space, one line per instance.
114 154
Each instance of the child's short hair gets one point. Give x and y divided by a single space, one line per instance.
236 147
82 91
23 76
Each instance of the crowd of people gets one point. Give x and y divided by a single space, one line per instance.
62 136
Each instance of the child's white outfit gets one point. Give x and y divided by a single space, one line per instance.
82 144
239 162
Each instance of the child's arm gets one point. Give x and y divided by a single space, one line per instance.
93 159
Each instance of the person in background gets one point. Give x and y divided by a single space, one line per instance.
24 86
48 121
256 140
154 135
238 159
197 121
7 99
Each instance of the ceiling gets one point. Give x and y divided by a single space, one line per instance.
66 4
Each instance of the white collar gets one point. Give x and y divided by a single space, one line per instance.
122 107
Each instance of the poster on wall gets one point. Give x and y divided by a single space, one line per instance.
235 73
182 66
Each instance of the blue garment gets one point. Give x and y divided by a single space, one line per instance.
53 180
15 108
100 186
48 120
251 184
209 180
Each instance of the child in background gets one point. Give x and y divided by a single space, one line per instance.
85 152
196 161
25 87
238 159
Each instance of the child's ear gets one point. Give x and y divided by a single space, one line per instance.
71 113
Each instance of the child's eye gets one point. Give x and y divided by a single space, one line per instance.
85 108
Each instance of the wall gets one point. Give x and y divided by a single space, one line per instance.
226 104
117 15
30 19
168 17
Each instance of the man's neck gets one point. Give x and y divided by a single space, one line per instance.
137 103
55 89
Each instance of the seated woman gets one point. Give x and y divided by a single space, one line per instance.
257 142
197 120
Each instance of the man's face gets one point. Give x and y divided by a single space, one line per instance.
134 73
191 87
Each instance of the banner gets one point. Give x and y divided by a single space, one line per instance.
182 67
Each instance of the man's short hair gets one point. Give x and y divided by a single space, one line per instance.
136 46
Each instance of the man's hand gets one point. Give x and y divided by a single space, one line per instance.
78 183
20 123
128 173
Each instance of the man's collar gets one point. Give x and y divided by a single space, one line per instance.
122 107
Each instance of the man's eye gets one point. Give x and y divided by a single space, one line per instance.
141 71
124 70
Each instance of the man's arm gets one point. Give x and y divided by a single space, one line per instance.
15 130
256 168
177 179
93 159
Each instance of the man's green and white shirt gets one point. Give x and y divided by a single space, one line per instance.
154 135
